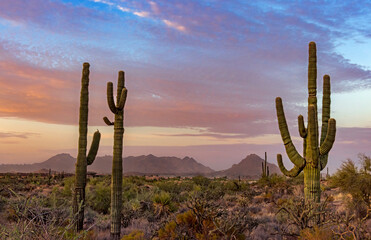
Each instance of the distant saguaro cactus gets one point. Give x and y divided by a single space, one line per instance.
265 168
49 176
82 159
116 179
315 155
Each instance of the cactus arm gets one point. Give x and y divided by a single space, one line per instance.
291 151
107 121
121 103
120 84
93 148
302 130
323 161
330 138
293 172
326 102
312 70
110 100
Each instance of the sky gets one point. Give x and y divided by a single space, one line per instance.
202 76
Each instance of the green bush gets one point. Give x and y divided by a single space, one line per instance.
354 181
99 197
162 204
201 180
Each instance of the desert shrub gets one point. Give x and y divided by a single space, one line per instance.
354 181
57 198
134 180
201 180
214 193
175 188
345 226
205 219
98 197
134 235
3 203
128 214
316 233
162 204
68 186
129 192
33 218
187 224
296 214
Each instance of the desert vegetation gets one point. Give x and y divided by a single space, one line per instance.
154 207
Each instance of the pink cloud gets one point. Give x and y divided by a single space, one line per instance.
52 15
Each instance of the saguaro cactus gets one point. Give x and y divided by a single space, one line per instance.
315 155
82 159
265 168
116 179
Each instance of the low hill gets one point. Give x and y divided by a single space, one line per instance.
250 167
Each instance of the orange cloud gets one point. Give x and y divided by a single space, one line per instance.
174 25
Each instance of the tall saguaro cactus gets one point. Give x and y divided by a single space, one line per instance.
315 154
82 159
116 180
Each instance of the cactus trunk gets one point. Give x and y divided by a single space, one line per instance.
116 179
312 189
315 153
116 192
82 159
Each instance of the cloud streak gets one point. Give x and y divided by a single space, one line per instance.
23 135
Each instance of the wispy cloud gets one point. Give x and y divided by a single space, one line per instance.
212 135
142 14
152 13
23 135
174 25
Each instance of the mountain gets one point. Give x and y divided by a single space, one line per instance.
250 166
149 164
61 162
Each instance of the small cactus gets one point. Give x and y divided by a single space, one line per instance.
265 168
49 176
316 152
116 180
82 159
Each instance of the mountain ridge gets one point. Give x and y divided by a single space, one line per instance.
250 166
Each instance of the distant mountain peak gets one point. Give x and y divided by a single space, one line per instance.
249 166
62 155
